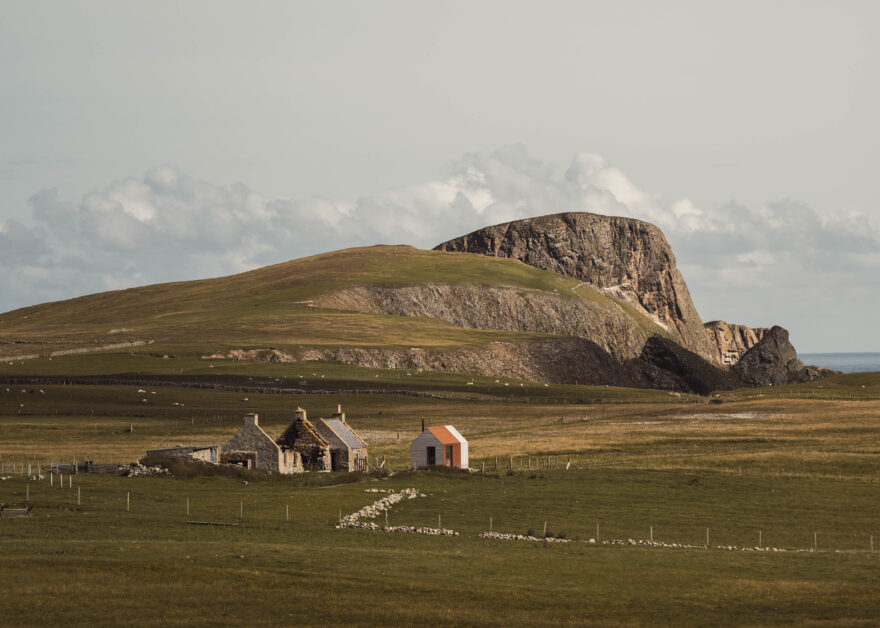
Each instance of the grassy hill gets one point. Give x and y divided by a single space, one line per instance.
273 306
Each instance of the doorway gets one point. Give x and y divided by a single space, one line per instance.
432 456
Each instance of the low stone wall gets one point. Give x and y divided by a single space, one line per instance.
375 509
521 537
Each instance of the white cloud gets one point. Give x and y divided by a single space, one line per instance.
167 225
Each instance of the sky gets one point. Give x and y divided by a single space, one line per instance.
144 142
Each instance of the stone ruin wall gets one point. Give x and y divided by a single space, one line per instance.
251 438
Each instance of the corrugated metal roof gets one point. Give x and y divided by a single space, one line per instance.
446 436
344 432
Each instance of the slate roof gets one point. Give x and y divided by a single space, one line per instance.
346 434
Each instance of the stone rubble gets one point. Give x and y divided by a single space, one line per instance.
521 537
354 520
136 469
420 530
376 508
729 548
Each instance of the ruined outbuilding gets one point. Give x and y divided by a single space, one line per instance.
302 439
204 453
252 448
348 451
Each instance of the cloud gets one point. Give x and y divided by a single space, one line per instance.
167 225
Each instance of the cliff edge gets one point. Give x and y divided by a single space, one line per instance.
623 257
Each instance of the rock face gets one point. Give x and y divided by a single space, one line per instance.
601 320
773 361
621 256
732 341
557 360
665 364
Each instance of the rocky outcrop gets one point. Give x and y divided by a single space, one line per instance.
773 361
556 360
600 320
732 341
665 364
621 256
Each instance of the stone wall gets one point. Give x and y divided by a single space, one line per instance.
252 438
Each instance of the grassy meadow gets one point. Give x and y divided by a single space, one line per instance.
275 306
796 465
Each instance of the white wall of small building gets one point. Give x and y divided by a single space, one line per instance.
418 451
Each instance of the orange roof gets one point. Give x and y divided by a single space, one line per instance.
443 435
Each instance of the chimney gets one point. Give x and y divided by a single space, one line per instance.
251 419
300 414
339 413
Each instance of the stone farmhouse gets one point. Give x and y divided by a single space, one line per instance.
252 448
348 451
327 445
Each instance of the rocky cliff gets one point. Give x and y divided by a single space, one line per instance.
665 364
732 341
773 361
599 319
621 256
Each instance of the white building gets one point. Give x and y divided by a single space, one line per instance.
441 446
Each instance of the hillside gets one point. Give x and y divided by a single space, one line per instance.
383 306
571 298
627 258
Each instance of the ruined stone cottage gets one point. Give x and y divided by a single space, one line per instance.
348 451
251 447
327 445
301 437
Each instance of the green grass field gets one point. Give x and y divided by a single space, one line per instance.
97 563
786 463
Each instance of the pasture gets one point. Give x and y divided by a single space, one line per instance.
790 469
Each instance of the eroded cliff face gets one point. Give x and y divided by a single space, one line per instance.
773 362
557 360
601 320
731 341
621 256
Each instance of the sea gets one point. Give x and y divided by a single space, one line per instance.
846 362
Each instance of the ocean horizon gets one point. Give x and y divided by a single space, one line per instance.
846 362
